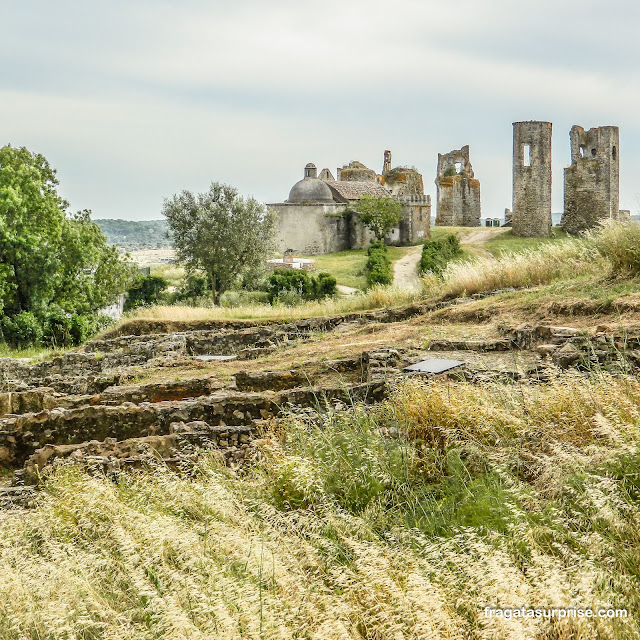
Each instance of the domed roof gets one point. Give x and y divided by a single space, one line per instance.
310 190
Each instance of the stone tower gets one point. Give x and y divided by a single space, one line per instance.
531 179
592 182
458 199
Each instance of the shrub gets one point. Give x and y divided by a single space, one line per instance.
378 266
437 253
324 285
282 284
22 330
63 329
146 290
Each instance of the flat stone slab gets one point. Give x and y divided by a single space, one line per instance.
211 358
433 365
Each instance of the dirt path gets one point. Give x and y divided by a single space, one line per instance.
405 270
475 238
343 290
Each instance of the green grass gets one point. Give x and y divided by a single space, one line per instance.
172 273
507 242
347 267
35 353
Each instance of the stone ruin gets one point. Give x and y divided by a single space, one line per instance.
592 182
458 192
531 210
98 407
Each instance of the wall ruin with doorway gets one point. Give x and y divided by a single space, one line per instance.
531 210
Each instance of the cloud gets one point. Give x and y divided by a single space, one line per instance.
133 101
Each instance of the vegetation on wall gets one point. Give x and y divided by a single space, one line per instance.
379 214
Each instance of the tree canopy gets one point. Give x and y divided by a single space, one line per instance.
50 259
380 214
220 233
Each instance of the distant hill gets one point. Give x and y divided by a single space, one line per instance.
130 234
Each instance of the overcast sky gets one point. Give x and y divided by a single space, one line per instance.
135 100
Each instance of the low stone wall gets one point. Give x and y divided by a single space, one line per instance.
110 454
20 436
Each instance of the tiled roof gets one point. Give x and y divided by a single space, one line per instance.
346 190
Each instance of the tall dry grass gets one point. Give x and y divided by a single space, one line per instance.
374 298
562 260
339 531
619 242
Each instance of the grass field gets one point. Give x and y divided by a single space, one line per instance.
507 242
347 267
500 496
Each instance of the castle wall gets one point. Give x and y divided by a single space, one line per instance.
531 179
458 192
592 182
312 228
415 225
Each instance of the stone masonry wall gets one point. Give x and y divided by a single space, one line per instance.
458 199
531 179
592 182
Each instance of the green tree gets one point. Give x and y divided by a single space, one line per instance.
31 221
50 261
220 233
380 214
91 273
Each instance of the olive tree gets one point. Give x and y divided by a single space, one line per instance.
380 214
220 233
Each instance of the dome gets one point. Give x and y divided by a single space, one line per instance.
310 190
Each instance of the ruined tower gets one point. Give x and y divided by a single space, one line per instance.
592 182
531 179
458 199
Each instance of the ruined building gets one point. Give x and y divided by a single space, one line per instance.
458 192
592 182
319 215
531 209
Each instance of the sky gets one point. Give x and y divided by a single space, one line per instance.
135 100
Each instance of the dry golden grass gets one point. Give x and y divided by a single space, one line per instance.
562 260
320 539
376 298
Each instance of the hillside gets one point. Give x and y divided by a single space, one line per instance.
339 497
130 234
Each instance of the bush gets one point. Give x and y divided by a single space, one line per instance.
194 286
22 330
324 285
146 290
437 253
282 284
63 329
378 266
